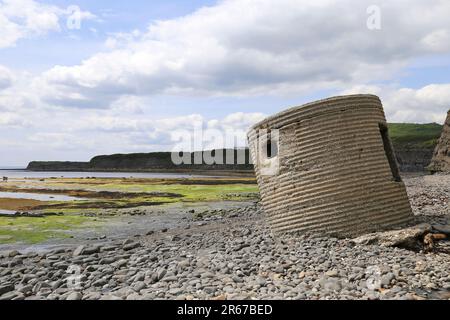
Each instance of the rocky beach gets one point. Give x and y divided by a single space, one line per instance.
257 152
230 254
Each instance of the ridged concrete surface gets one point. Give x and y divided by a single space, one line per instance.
334 176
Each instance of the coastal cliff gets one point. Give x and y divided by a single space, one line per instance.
58 166
414 145
155 161
441 156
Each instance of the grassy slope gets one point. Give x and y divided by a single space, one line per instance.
412 136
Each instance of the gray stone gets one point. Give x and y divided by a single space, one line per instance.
332 273
10 295
138 286
120 263
161 273
175 291
5 288
99 283
74 296
92 296
91 250
131 246
25 289
386 279
13 253
170 279
78 251
18 296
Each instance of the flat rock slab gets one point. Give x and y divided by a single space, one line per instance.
407 237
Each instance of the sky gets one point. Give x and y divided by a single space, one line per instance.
82 78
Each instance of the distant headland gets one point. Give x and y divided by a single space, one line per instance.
414 145
152 162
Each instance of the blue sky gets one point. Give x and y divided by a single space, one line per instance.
137 73
71 47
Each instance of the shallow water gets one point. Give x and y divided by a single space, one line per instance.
7 212
37 196
172 216
17 174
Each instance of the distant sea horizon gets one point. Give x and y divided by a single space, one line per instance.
19 173
13 167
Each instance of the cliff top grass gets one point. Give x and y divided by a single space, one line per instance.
412 135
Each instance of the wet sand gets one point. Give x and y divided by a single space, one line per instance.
19 204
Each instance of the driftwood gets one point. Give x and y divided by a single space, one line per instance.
440 228
430 239
420 237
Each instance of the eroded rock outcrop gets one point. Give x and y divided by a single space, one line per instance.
441 157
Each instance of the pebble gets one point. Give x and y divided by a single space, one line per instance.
78 251
387 279
131 246
5 288
74 296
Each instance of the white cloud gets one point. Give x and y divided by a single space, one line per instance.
426 104
237 48
128 134
129 104
438 41
6 78
23 18
63 142
243 119
26 18
16 94
74 12
122 123
9 119
248 47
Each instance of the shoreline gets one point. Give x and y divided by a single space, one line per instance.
229 253
212 172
